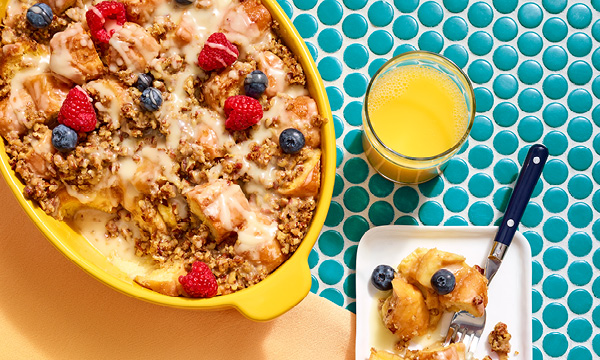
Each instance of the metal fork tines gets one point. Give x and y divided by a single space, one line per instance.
467 329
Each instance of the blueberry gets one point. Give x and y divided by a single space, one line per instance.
151 99
256 83
144 81
184 2
382 277
291 141
64 138
39 15
443 281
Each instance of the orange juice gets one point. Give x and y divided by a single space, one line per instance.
416 116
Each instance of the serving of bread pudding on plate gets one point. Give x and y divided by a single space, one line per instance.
427 284
184 128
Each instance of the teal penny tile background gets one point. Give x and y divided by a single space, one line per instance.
535 67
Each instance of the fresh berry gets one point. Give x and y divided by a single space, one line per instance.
144 81
200 281
443 282
291 141
39 15
64 138
382 277
217 53
242 112
77 111
184 2
256 83
151 99
102 18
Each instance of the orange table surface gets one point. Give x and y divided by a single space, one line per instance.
51 309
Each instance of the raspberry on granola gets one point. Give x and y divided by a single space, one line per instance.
217 53
104 18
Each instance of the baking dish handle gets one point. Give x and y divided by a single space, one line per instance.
278 293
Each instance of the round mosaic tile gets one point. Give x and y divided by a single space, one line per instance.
534 67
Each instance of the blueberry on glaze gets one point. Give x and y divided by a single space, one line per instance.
64 138
256 83
151 99
144 81
291 141
39 15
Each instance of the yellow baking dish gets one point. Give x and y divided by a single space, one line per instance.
281 290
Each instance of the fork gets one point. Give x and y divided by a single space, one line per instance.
464 327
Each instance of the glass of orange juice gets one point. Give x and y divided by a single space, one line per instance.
418 112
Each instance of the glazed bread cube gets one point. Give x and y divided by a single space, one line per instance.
470 291
147 176
404 312
469 294
106 200
274 68
383 355
450 352
268 254
224 84
47 92
432 301
17 108
221 205
258 14
131 47
59 6
164 280
454 351
14 111
257 243
434 260
308 182
140 11
19 56
38 157
300 113
207 138
109 98
410 264
73 55
249 21
184 32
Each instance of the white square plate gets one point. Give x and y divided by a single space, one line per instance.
509 294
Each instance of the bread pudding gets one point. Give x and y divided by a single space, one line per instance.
426 284
184 128
450 352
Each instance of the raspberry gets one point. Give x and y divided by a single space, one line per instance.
200 281
77 111
242 112
218 52
102 18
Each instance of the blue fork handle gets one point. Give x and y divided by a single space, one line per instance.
530 173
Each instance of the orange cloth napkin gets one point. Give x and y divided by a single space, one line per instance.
51 309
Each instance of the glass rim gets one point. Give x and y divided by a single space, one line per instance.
453 66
